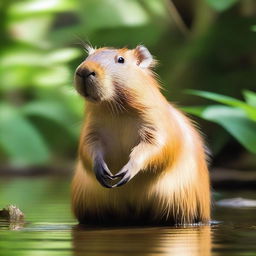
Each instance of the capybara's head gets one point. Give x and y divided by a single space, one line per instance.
107 71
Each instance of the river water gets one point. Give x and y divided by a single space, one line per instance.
50 228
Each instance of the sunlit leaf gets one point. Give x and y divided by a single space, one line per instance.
31 58
22 77
250 98
35 7
32 30
157 7
130 12
13 78
195 110
221 5
118 13
63 55
15 57
234 120
54 76
251 111
19 139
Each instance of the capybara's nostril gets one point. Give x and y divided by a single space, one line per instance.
85 73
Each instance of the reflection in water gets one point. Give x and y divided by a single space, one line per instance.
183 241
16 225
51 230
11 225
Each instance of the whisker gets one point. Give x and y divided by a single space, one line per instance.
86 45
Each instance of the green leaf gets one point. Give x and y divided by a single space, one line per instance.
22 57
52 111
249 110
250 98
52 77
221 5
195 110
235 121
31 58
19 138
129 13
63 55
35 7
33 30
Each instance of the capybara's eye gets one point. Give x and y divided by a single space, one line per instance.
120 60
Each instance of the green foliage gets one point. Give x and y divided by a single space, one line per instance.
221 5
19 138
32 68
54 111
250 98
237 117
39 53
40 113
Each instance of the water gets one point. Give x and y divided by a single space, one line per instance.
50 228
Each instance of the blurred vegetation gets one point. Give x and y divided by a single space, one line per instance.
206 45
236 116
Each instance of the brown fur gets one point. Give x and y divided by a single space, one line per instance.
137 125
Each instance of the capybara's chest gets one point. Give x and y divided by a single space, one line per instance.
118 140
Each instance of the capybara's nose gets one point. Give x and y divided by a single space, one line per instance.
85 73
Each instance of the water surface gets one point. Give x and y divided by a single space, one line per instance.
50 228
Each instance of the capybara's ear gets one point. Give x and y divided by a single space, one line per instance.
144 57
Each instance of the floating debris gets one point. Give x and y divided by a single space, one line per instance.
12 214
237 202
